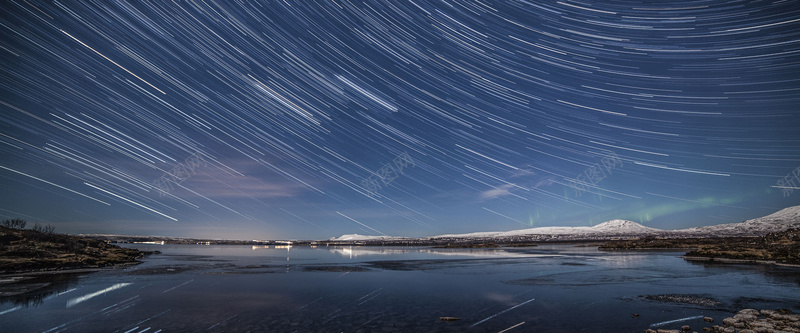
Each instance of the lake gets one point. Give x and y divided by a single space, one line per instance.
549 288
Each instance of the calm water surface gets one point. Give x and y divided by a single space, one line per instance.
554 288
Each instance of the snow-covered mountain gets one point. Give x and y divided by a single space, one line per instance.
781 220
778 221
613 227
624 227
357 237
787 217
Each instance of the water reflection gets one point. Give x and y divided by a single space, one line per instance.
776 274
32 291
354 252
560 288
286 247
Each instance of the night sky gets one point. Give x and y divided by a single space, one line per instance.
312 119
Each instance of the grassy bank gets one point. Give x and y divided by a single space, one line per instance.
778 247
26 250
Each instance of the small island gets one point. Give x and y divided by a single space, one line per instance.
40 249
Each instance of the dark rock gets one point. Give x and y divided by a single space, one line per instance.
754 321
729 321
685 299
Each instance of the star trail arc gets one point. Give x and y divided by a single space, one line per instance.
293 103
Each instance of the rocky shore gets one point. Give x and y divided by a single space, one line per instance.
37 263
749 321
782 248
754 321
30 251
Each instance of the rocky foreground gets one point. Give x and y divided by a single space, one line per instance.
750 321
31 250
781 247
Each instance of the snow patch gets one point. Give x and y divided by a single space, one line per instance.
624 226
781 220
613 227
357 237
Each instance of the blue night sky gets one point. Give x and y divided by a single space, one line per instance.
311 119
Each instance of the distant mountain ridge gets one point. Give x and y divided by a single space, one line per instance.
357 237
612 227
787 216
623 226
779 221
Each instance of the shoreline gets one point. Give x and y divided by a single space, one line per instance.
64 270
648 249
34 252
777 248
33 285
739 261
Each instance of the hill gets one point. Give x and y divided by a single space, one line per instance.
357 237
24 250
623 227
606 229
783 219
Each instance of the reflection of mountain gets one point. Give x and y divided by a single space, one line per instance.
358 251
352 252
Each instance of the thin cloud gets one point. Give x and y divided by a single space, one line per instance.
500 191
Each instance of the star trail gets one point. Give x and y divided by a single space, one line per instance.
108 108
